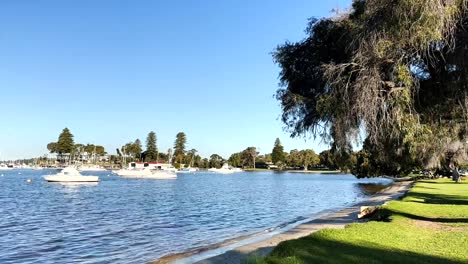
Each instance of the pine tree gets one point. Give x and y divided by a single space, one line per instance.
137 148
277 154
65 142
179 147
151 148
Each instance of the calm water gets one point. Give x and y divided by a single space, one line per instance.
134 221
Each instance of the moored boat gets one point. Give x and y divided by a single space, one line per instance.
225 169
70 174
147 174
5 167
94 168
187 170
134 172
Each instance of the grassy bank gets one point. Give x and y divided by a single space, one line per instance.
430 225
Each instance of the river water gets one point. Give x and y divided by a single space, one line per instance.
135 221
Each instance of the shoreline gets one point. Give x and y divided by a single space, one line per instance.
297 171
234 251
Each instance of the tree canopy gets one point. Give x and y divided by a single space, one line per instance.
277 154
65 143
179 147
395 69
151 152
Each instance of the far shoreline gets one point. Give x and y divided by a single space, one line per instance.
298 171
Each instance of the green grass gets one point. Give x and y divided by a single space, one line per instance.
430 225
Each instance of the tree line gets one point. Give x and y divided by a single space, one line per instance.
65 148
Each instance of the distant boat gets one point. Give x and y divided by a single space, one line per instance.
93 168
147 174
187 170
5 167
70 174
225 169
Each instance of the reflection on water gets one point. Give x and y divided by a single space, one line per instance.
135 220
75 185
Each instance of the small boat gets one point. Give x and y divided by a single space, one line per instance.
187 170
225 169
5 167
70 174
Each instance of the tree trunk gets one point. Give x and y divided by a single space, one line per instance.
456 175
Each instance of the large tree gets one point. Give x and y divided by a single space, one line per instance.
277 154
248 156
151 152
215 161
65 143
179 147
309 158
133 149
235 160
294 159
327 159
392 68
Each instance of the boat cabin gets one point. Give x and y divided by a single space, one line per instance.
150 165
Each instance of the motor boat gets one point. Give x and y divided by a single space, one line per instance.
147 174
134 172
225 169
5 167
94 168
70 174
160 175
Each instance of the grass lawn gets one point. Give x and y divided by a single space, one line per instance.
430 225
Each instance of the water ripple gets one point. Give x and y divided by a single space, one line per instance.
134 221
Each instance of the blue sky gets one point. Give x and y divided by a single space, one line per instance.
111 71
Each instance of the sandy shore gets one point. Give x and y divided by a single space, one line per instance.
334 220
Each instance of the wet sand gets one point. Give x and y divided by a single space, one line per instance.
334 220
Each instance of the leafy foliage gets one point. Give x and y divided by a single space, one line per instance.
248 157
151 152
277 154
179 147
65 143
216 161
235 160
393 68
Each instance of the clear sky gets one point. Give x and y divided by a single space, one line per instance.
111 71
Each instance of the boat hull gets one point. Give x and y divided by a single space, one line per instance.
55 178
158 175
133 173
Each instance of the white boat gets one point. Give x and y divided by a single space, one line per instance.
5 167
94 168
70 174
134 172
168 169
225 169
187 170
148 174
